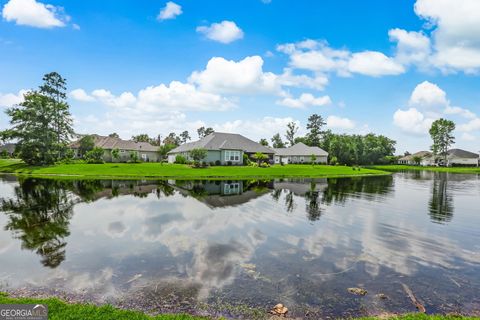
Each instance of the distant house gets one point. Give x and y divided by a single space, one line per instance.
9 148
300 153
426 159
222 148
459 157
145 151
455 157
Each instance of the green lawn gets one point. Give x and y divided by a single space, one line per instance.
157 170
59 310
396 168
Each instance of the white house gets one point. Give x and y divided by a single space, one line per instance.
459 157
300 153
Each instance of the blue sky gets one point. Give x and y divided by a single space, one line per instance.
250 66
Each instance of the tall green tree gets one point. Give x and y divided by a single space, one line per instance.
54 87
292 129
315 126
277 141
203 132
143 137
441 132
86 144
185 136
172 138
41 124
263 142
114 135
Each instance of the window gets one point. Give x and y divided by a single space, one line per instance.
233 156
301 159
144 156
122 151
232 188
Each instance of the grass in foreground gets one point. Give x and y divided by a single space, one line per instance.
396 168
157 170
59 310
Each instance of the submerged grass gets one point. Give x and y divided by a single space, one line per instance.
397 168
177 171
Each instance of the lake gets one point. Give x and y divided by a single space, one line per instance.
236 248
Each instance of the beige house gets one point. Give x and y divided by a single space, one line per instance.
455 157
426 159
300 153
145 151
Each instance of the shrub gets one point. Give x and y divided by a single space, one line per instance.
94 156
264 165
134 157
246 159
229 163
212 163
333 161
180 159
198 154
68 156
115 154
218 163
4 154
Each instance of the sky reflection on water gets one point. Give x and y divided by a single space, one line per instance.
300 242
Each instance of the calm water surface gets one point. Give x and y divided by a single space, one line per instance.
223 245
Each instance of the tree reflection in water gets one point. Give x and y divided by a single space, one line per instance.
39 216
441 202
312 204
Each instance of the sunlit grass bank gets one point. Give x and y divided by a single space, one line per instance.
177 171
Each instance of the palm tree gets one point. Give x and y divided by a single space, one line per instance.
259 157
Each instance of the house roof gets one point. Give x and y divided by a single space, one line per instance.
300 149
221 141
459 153
421 154
112 143
10 147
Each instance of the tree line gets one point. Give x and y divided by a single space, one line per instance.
42 127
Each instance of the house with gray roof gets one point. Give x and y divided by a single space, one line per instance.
300 153
459 157
222 148
145 151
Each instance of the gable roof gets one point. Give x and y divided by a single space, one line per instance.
300 149
222 141
112 143
421 154
459 153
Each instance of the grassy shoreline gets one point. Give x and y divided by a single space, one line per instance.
398 168
175 171
59 310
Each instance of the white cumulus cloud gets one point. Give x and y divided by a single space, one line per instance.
34 14
305 100
11 99
170 11
412 121
81 95
228 76
224 32
374 63
335 122
455 36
